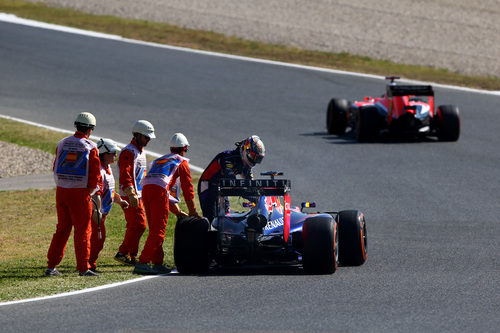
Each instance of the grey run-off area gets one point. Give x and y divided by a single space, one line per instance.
459 35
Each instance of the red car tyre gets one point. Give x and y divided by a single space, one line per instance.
367 124
449 123
337 115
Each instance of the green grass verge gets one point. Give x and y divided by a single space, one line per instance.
28 220
169 34
27 223
29 136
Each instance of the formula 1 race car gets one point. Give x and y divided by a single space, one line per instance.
269 232
403 111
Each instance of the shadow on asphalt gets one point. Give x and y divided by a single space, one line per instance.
350 138
248 270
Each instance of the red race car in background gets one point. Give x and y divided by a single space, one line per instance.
403 111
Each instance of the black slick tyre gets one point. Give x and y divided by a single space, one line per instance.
191 248
337 115
367 124
320 251
352 238
449 123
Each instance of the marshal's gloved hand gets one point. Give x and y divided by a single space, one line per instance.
134 199
117 199
176 210
192 208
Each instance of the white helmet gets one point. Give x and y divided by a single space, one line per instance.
86 119
107 146
145 128
179 140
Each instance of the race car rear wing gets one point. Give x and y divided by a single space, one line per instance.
393 90
255 187
259 187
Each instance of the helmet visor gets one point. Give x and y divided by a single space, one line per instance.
254 158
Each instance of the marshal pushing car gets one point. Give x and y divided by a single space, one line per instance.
269 232
403 111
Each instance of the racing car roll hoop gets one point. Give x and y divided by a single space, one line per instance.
403 111
269 231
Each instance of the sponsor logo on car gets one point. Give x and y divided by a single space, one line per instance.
273 224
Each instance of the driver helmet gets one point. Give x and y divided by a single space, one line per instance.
252 151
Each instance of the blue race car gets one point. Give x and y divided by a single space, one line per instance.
269 232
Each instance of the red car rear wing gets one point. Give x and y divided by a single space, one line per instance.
393 90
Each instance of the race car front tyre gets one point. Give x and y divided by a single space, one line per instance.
449 123
367 124
321 245
352 238
191 245
336 116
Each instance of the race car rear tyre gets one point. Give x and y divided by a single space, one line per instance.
449 123
191 245
336 116
352 238
320 245
367 124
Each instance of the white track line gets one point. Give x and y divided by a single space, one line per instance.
77 292
93 137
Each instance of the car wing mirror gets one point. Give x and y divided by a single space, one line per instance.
307 205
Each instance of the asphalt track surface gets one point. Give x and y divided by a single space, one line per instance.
431 207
